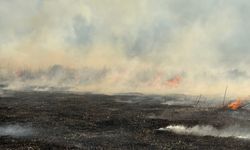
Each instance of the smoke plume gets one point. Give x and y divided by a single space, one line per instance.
15 131
113 46
207 130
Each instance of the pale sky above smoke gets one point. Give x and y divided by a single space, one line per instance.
126 46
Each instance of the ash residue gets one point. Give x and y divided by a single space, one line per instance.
48 120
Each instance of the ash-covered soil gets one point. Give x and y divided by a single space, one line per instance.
50 120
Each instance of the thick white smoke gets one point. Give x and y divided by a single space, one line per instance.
15 131
208 130
126 46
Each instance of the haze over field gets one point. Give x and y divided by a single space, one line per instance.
110 46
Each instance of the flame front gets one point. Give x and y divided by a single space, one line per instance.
235 105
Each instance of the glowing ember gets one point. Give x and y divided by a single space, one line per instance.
235 105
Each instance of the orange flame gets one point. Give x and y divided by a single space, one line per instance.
235 105
160 82
174 82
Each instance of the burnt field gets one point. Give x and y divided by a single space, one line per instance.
49 120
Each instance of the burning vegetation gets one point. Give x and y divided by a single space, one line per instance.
174 82
235 105
160 81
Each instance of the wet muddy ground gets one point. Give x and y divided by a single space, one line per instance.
49 120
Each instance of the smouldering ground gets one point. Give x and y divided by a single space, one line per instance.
44 120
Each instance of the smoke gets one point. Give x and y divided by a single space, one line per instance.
207 130
125 46
15 131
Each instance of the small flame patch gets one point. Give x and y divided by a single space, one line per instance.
174 82
235 105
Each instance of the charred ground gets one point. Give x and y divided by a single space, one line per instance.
96 121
